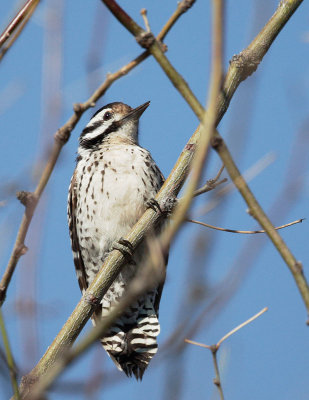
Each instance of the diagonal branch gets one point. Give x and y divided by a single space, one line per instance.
13 30
245 63
258 48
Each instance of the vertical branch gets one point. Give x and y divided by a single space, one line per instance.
217 379
208 124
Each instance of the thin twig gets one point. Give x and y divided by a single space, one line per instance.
249 175
13 30
9 357
211 184
241 326
146 22
215 347
242 232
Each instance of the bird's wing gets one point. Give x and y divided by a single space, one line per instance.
78 260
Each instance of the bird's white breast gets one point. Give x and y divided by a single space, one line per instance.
113 185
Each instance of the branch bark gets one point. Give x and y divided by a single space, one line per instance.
13 30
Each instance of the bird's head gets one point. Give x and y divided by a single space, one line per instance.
113 123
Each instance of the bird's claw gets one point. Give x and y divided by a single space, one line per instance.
154 205
126 249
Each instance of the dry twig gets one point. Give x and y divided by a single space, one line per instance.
13 30
215 347
242 232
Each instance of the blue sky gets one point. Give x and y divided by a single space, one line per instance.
44 73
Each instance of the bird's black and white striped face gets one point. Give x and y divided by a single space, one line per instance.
113 123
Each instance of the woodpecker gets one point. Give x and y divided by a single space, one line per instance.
111 187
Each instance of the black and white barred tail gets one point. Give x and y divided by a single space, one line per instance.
132 340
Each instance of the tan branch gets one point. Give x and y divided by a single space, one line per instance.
215 347
13 30
217 228
246 62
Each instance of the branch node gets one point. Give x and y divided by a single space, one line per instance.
214 348
250 212
184 5
21 250
216 142
145 39
28 199
216 382
62 135
78 108
247 62
299 267
91 299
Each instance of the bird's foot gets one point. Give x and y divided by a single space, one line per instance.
167 207
154 205
126 249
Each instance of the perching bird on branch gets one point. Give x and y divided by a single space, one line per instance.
112 185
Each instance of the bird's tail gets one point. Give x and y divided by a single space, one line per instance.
132 341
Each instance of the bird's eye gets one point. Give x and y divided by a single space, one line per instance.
107 116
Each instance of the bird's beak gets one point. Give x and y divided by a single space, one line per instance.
137 112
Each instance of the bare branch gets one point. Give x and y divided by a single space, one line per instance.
13 30
246 62
241 326
215 347
242 232
211 183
